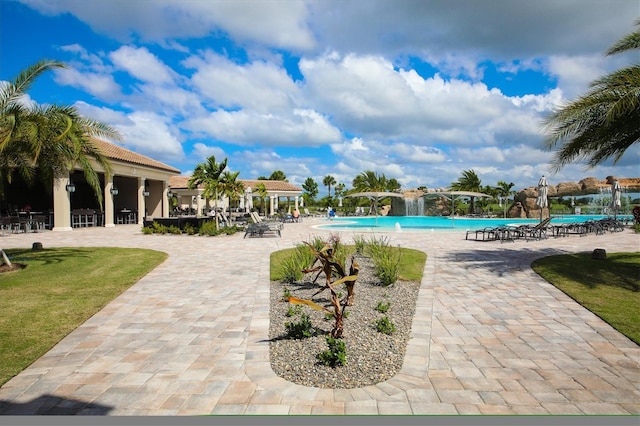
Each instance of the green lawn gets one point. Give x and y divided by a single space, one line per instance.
58 290
609 288
411 262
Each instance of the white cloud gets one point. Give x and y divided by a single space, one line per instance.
574 73
201 152
276 23
142 64
246 127
151 135
102 86
258 85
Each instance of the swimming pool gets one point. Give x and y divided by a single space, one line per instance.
416 223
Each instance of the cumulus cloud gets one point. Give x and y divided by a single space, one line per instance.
142 64
246 127
258 85
150 134
102 86
277 23
400 87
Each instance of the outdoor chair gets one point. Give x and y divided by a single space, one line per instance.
537 232
261 229
485 234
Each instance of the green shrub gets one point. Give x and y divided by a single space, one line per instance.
209 228
317 243
189 229
386 259
383 307
336 355
294 310
229 230
360 243
384 325
301 329
292 266
147 230
172 229
286 294
159 228
387 267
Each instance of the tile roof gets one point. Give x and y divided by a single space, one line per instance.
271 185
119 153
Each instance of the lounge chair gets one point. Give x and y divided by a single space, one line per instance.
260 227
485 234
537 232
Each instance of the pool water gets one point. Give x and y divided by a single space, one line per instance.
412 223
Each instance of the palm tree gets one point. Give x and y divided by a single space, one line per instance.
52 139
14 115
469 181
504 189
261 191
370 181
230 186
603 123
328 181
208 175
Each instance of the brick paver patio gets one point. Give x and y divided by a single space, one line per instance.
190 338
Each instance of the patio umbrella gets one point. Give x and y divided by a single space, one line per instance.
375 196
543 192
615 198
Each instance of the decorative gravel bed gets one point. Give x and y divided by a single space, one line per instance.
372 357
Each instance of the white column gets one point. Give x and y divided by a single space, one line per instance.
296 201
108 204
199 205
61 205
165 199
142 203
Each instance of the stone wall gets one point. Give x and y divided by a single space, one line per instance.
524 205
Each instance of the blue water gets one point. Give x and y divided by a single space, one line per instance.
411 223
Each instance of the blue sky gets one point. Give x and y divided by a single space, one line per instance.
416 90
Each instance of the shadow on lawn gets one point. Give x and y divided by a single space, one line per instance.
47 256
51 405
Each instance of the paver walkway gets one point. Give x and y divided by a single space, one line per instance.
190 338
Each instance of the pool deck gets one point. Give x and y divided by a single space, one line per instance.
191 337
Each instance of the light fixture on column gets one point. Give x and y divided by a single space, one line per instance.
145 193
70 186
169 194
114 190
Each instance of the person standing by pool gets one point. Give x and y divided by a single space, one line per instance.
332 213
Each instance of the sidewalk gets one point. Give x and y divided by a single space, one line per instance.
190 338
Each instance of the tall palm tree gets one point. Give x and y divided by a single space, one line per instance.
504 189
328 181
15 116
469 181
370 181
230 186
261 191
208 175
52 139
603 123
